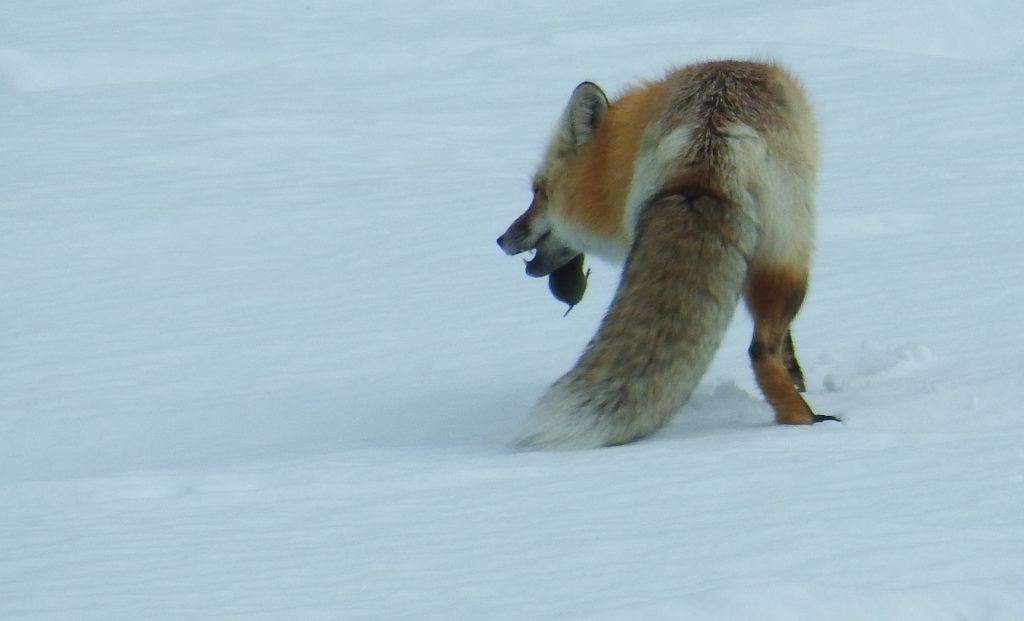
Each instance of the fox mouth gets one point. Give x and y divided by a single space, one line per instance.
544 255
536 264
549 255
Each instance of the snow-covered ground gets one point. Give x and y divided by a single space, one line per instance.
261 359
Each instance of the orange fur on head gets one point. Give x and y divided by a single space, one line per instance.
598 179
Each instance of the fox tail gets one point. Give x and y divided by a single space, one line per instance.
680 286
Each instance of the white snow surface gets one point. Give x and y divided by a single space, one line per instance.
260 357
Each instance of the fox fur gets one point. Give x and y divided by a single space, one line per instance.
702 184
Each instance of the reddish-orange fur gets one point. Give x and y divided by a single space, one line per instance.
598 180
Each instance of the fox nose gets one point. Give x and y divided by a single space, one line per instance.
500 244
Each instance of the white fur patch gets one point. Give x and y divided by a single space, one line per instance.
781 196
559 421
658 155
613 249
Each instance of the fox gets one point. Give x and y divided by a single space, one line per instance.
700 184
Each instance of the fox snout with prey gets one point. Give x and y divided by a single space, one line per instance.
562 265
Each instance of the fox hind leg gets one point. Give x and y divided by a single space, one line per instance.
774 297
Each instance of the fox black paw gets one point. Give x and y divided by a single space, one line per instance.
822 418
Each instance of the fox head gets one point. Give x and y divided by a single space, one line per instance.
533 230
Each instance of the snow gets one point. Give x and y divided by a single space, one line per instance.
260 357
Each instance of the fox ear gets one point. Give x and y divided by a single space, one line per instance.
586 107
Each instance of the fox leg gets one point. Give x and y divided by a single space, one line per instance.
774 296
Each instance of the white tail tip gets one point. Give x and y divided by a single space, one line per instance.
562 421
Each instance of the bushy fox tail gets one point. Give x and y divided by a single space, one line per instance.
679 289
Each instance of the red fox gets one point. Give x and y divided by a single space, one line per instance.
702 184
